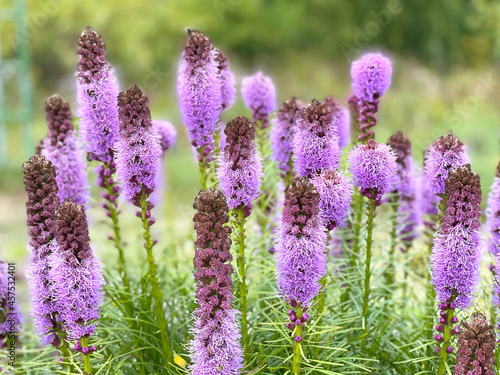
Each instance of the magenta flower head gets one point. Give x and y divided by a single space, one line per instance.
457 247
300 244
61 147
259 95
97 93
216 347
199 90
446 153
477 344
373 166
335 191
226 78
315 144
341 120
240 165
76 273
371 76
167 133
139 148
493 216
282 133
41 188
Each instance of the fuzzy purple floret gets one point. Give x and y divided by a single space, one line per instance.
371 76
315 144
240 165
493 216
139 148
259 95
76 273
446 153
457 246
300 244
226 78
62 148
199 90
283 131
373 166
97 93
166 132
341 120
335 191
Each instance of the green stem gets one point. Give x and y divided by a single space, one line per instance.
431 297
445 344
297 345
86 357
157 294
64 349
394 241
369 240
357 224
243 284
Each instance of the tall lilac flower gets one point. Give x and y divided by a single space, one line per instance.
282 134
61 147
315 144
41 188
240 168
428 202
75 272
335 191
341 120
199 90
139 148
371 77
373 166
259 95
167 133
97 93
226 78
446 153
215 348
493 216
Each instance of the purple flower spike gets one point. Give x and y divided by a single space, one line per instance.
240 168
215 348
97 93
341 120
428 202
456 252
493 216
476 347
139 148
373 167
446 154
371 76
300 244
41 188
283 131
166 132
335 191
259 95
496 287
62 148
76 273
199 90
315 144
226 78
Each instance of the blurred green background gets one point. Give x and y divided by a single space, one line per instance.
445 56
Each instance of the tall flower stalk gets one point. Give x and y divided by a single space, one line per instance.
137 162
240 173
300 257
456 243
493 216
373 167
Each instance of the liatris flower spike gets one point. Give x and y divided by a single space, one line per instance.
371 77
476 347
457 243
493 216
167 133
215 348
199 90
282 134
315 144
97 93
259 95
41 188
341 120
226 78
335 191
61 147
446 154
240 168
